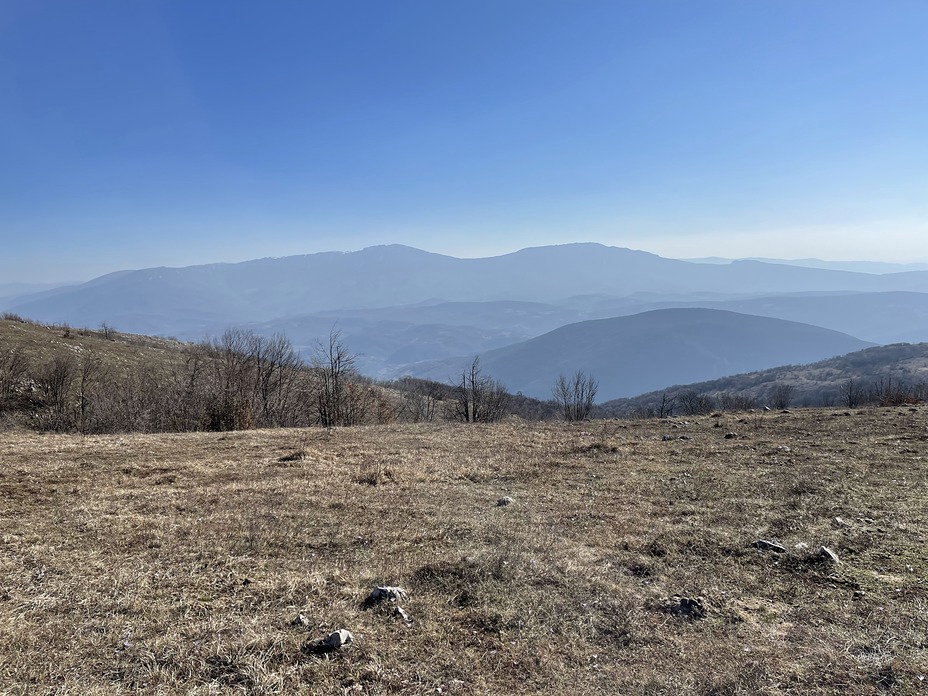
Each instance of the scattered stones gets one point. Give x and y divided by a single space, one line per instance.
784 448
730 436
859 594
338 639
828 555
767 545
801 546
504 501
387 593
688 607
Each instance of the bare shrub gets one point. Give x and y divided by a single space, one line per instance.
695 404
852 393
478 398
575 395
781 396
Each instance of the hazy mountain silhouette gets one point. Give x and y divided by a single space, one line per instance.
170 300
643 352
854 266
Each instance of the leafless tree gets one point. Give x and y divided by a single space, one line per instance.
420 399
666 406
338 402
89 376
782 395
695 404
13 370
575 395
55 381
735 401
478 398
852 393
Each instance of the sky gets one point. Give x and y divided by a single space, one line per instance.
152 132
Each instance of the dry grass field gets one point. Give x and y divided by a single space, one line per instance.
179 563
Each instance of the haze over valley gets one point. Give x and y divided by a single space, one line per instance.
636 321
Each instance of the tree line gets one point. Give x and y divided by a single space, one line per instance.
241 380
853 392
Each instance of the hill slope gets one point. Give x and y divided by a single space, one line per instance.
881 373
642 352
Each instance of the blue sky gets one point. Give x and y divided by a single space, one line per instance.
142 133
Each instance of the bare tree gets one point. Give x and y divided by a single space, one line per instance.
735 401
695 404
91 372
665 409
575 395
478 398
852 393
782 395
338 401
55 381
421 398
13 368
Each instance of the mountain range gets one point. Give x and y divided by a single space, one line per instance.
408 311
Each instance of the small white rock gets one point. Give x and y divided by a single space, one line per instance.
768 545
338 639
387 592
828 555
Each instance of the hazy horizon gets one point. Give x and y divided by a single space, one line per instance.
171 133
855 265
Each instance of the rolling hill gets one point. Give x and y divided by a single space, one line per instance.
877 370
639 353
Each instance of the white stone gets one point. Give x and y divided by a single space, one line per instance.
338 639
387 592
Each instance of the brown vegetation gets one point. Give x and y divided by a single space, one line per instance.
54 378
178 563
890 375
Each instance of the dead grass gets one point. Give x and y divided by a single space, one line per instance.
177 563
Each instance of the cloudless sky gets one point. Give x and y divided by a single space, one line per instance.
137 133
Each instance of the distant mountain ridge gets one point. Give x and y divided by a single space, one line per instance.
853 266
408 311
171 300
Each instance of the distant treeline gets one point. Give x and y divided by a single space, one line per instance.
242 380
237 381
842 391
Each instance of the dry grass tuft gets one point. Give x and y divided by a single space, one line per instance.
625 563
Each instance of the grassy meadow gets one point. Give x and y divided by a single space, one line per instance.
623 565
